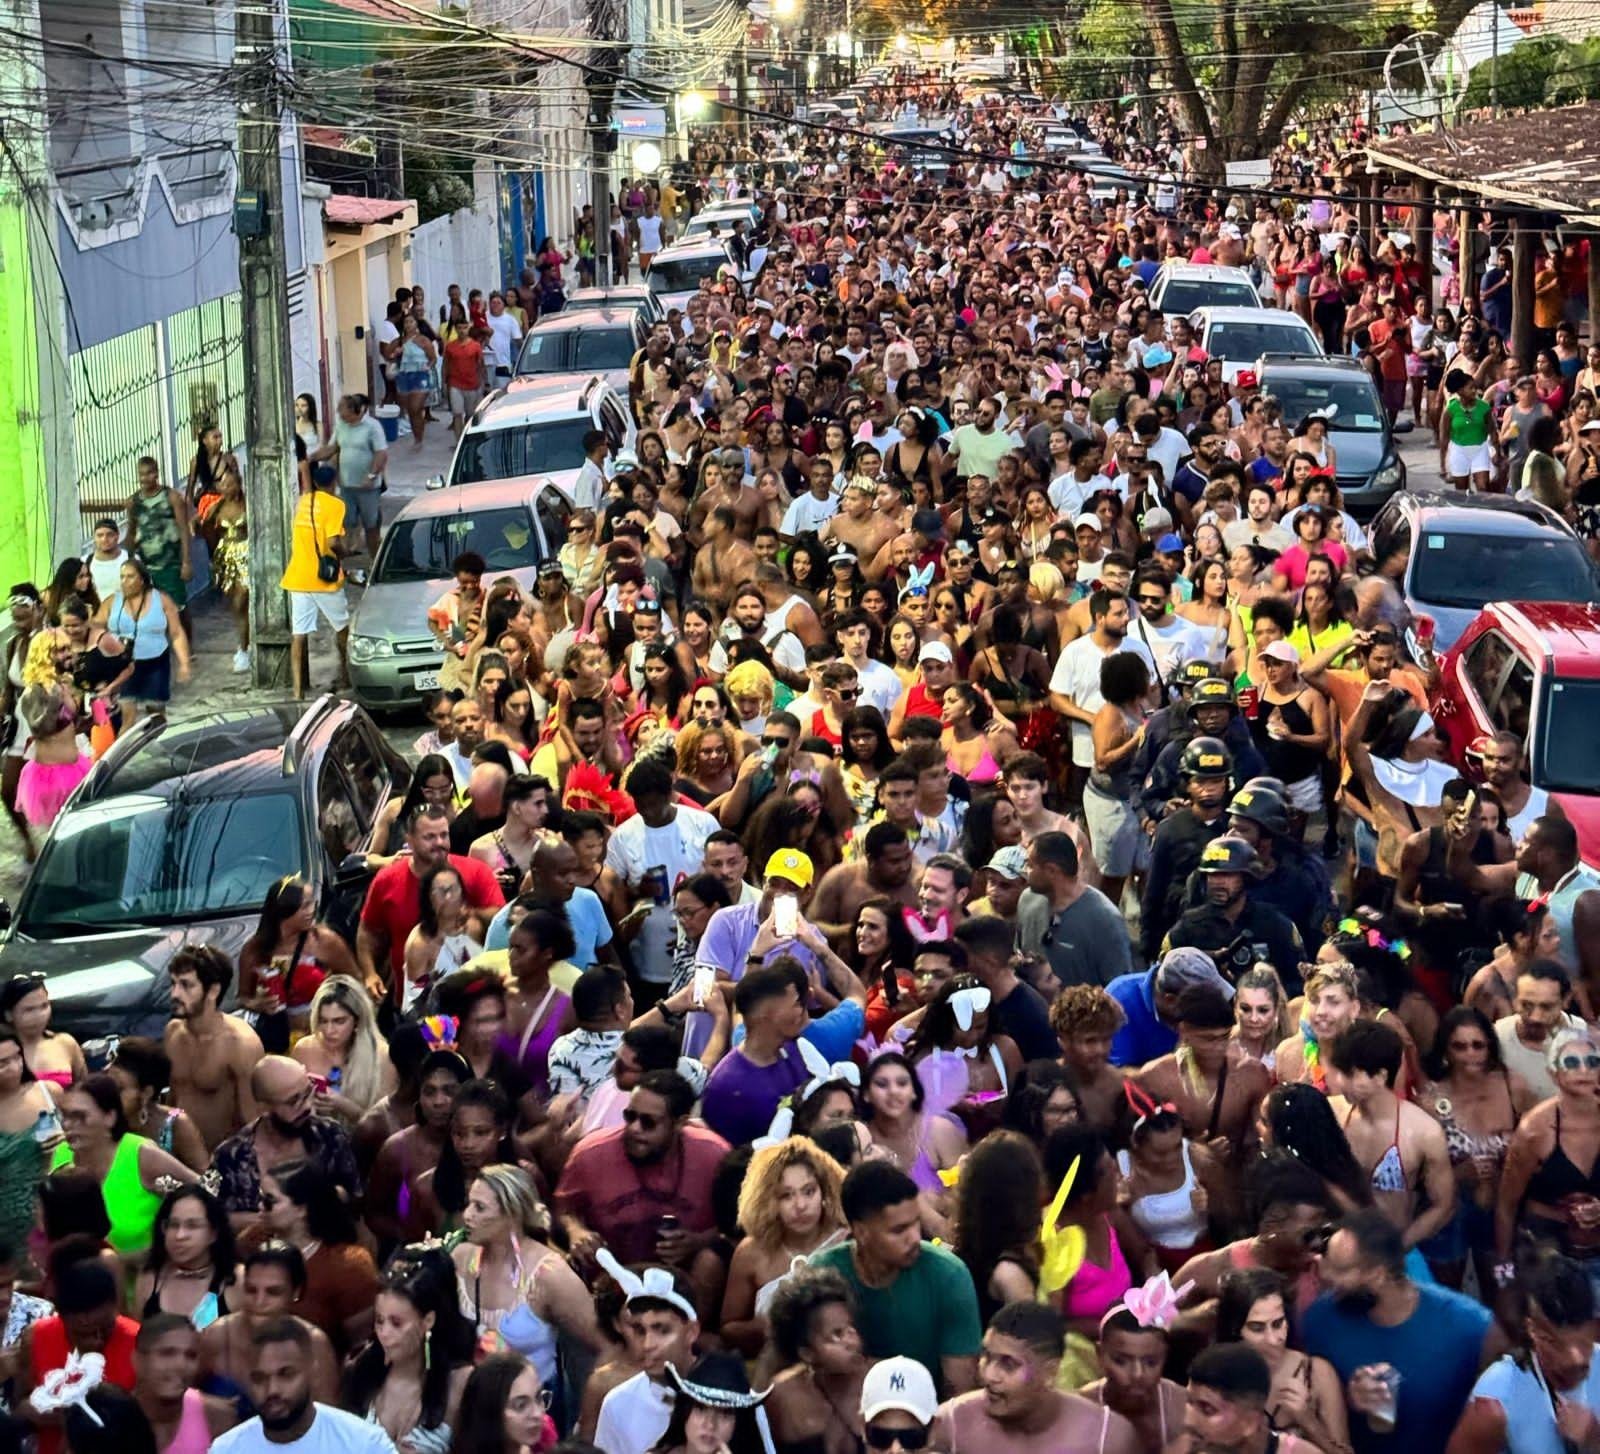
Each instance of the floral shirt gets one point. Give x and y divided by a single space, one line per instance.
235 1163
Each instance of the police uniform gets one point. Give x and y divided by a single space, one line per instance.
1273 938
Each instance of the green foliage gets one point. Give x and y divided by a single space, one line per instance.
1545 71
440 183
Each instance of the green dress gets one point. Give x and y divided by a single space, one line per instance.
21 1170
130 1208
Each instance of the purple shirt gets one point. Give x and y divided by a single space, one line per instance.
729 934
741 1097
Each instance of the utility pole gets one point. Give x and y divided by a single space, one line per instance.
1494 59
601 80
269 483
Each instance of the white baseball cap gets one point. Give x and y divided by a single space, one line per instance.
899 1383
935 651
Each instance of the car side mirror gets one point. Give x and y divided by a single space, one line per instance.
5 915
435 482
1406 427
353 871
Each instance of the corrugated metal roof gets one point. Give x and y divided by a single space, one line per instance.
1542 159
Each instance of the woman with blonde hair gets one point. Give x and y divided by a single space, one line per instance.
518 1288
708 761
789 1209
750 688
344 1050
1332 1003
1261 1020
1048 606
48 708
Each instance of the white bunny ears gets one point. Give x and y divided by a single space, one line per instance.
656 1283
822 1073
70 1385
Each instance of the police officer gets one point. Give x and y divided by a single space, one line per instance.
1170 720
1292 879
1210 712
1236 931
1205 767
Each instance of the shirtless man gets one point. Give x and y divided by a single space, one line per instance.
1024 778
212 1054
1399 1145
886 869
1086 1019
785 608
719 489
857 524
723 561
1216 1095
274 1277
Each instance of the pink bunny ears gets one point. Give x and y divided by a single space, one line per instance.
1153 1306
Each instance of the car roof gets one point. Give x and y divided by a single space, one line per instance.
1216 272
1465 514
617 292
692 247
1569 631
535 396
484 495
592 316
1233 313
1331 363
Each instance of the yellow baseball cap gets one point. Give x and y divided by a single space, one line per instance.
792 866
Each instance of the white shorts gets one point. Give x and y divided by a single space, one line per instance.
306 606
1462 460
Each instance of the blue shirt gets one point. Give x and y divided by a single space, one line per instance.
586 916
1436 1351
1530 1421
1144 1037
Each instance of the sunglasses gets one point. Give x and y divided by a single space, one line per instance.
645 1122
774 741
1591 1061
905 1438
1152 600
848 694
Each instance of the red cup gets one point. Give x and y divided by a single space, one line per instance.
1427 628
1250 701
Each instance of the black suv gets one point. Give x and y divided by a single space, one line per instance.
1367 458
175 837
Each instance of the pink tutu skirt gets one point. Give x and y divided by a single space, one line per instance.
45 786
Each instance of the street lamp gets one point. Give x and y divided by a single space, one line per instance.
647 158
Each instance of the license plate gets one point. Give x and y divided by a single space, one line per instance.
425 681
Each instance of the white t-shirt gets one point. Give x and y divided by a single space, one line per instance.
807 514
332 1431
107 574
1068 493
880 687
505 334
1167 449
386 333
1171 645
679 848
634 1416
1077 675
589 489
649 234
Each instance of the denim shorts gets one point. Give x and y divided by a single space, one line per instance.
413 382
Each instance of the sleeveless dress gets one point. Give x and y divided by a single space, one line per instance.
518 1327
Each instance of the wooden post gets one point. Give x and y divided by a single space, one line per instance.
1522 240
1467 252
1422 235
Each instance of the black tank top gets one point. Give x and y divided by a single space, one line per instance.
1288 761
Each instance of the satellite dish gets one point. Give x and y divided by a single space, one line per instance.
1426 76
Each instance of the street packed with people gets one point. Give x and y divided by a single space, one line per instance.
967 875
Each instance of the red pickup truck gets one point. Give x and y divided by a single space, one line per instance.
1533 669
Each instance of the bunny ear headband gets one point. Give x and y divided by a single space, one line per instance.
1153 1306
922 930
966 1005
656 1283
1144 1105
70 1385
921 578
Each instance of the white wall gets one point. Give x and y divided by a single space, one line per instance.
462 247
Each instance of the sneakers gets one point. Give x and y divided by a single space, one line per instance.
241 660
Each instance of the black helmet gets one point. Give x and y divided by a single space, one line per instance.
1205 757
1212 692
1262 806
1192 673
1227 854
1272 784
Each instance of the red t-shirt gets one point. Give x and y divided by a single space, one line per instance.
394 901
49 1347
462 359
625 1202
1392 361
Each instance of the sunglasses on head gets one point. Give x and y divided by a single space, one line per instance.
906 1438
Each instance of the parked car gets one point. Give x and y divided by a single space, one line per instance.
1368 465
620 295
1183 287
724 214
1463 551
1532 668
577 343
174 838
535 426
1240 336
513 524
676 270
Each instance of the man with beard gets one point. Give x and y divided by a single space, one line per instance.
1547 1399
884 869
288 1419
1226 1408
1016 1408
1524 1035
1407 1353
1228 924
394 898
212 1054
747 621
623 1188
978 448
285 1131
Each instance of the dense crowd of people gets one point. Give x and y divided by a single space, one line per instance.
942 921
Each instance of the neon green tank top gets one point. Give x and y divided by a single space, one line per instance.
130 1208
1468 429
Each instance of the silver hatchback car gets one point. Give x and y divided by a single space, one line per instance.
513 524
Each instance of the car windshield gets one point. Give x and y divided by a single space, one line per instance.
1468 570
150 858
421 549
1569 745
1359 409
683 274
546 353
1236 341
1184 295
520 449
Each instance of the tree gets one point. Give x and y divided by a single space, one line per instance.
1540 71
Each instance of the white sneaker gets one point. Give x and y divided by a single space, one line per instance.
241 660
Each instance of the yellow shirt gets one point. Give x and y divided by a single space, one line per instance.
308 542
